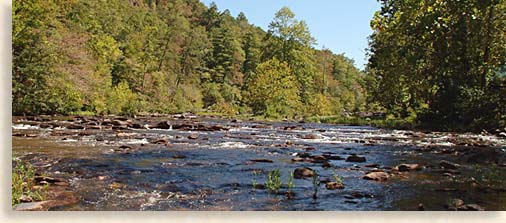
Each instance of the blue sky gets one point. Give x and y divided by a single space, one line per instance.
340 25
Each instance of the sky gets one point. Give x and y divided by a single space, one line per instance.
339 25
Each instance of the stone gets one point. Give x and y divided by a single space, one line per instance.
179 156
163 125
262 161
32 206
377 176
470 207
311 136
355 159
334 186
448 165
303 172
318 159
193 136
75 127
408 167
374 165
298 159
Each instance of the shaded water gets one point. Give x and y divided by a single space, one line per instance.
215 171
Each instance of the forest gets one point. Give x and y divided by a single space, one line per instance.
435 64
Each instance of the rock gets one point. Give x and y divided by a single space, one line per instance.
120 122
334 186
75 127
470 207
32 206
502 134
374 165
193 136
179 156
40 179
408 167
236 121
303 172
116 185
355 159
25 199
335 158
326 165
377 176
304 155
161 141
457 202
137 126
318 159
448 165
163 125
262 161
298 159
311 136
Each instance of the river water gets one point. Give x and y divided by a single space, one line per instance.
148 168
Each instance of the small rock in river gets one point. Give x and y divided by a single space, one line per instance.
262 161
179 156
334 186
449 165
408 167
298 159
470 207
303 172
193 136
356 159
377 176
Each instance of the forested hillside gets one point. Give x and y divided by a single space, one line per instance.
168 56
441 63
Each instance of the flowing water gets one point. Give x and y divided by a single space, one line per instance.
185 169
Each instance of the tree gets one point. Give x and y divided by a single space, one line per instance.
272 91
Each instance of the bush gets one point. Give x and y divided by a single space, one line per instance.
122 101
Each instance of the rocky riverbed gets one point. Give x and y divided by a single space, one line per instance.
207 163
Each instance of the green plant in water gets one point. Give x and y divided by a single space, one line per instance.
22 183
274 180
290 183
338 179
255 173
316 184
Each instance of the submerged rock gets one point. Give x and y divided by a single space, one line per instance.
303 172
355 159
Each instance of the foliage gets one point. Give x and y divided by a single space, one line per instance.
124 57
272 91
273 180
435 61
22 182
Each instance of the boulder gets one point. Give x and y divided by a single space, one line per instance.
303 172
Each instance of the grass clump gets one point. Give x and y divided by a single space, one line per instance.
23 183
274 180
